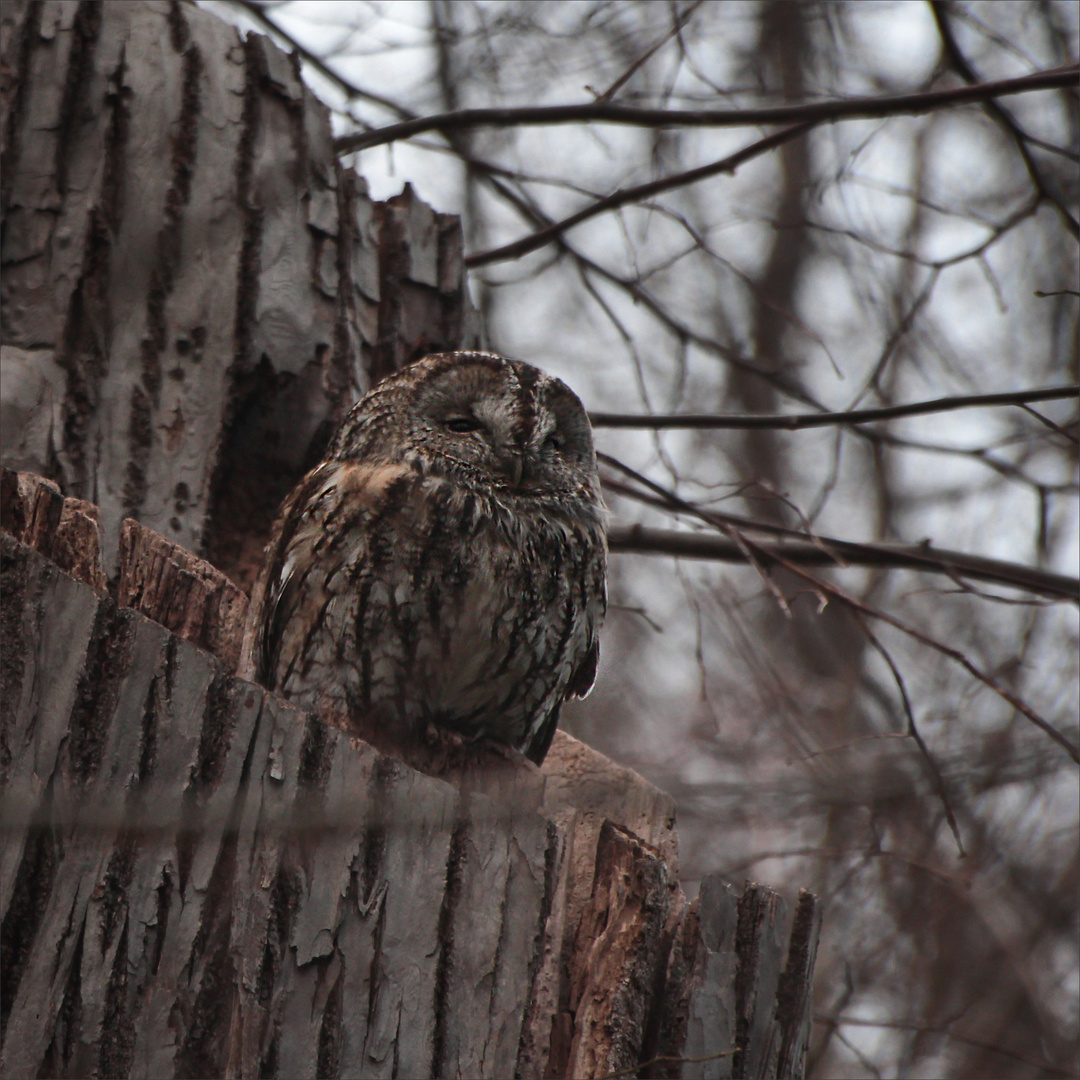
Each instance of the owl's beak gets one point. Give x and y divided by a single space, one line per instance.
513 465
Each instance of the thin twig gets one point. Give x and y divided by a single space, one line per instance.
939 646
948 1032
814 550
821 586
964 69
643 298
635 194
621 81
797 421
913 731
1047 422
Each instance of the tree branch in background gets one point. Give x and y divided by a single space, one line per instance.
621 81
826 551
813 112
855 416
635 194
763 553
758 554
961 66
860 607
815 549
684 332
909 713
949 1033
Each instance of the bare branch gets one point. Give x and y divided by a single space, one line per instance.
621 81
932 766
960 64
635 194
796 421
955 655
825 551
819 550
948 1032
813 112
1057 428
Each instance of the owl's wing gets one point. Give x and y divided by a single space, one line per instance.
282 607
584 674
275 596
327 512
537 747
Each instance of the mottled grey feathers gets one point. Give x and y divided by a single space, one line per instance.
445 565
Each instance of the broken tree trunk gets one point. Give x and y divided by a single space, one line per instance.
194 288
196 879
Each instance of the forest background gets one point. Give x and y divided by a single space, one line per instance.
864 681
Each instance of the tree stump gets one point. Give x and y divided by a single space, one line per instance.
197 879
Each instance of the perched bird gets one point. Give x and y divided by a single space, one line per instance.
444 566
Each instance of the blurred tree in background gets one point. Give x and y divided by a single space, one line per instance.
901 739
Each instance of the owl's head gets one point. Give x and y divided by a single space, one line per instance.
483 421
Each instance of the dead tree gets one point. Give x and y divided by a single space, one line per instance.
197 879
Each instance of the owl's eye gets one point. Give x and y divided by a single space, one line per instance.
554 442
462 425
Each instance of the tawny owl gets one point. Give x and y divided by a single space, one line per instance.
445 564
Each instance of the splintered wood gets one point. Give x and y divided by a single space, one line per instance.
182 592
199 880
156 577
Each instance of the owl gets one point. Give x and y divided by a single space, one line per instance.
442 571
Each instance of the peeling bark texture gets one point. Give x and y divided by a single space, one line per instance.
424 306
197 879
194 289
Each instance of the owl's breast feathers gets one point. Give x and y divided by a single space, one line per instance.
407 599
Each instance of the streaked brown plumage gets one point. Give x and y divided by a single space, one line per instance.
445 564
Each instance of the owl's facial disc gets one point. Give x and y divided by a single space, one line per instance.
482 420
486 432
467 424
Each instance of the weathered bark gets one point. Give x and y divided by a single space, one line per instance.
196 879
230 887
194 288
